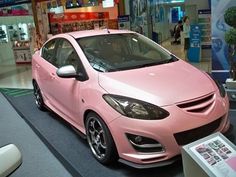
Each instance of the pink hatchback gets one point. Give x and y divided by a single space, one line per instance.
134 100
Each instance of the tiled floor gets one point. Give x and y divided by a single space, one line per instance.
19 76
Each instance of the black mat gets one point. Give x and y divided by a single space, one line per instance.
73 151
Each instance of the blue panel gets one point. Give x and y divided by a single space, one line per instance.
220 76
5 3
175 15
195 43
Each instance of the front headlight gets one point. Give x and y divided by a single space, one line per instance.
136 109
219 85
221 88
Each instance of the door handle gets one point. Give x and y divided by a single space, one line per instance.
37 66
53 76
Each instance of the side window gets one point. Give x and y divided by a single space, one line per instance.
66 55
48 51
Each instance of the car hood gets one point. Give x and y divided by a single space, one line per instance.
162 85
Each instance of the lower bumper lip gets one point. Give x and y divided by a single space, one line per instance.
150 165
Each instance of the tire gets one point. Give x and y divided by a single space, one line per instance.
38 97
100 140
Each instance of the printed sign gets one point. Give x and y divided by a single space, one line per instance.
218 156
124 22
195 43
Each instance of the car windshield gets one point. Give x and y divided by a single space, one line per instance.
116 52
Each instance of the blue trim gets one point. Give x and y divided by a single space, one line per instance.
220 76
13 2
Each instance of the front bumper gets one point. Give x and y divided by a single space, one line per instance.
164 132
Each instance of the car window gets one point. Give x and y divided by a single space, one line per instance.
48 51
115 52
67 55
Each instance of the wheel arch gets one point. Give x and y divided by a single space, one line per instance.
34 81
86 112
115 150
95 112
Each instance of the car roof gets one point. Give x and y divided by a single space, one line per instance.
87 33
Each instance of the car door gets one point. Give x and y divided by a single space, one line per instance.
65 91
45 66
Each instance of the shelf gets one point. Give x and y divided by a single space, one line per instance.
20 48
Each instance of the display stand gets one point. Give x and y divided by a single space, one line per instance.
212 156
3 34
21 42
204 21
22 54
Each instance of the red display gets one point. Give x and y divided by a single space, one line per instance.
77 16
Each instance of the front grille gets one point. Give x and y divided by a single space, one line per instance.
199 105
189 136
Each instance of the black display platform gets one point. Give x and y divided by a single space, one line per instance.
73 151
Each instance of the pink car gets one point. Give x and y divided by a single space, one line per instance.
134 100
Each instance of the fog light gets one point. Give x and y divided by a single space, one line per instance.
233 96
138 139
144 144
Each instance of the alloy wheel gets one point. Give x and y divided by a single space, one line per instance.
97 138
38 97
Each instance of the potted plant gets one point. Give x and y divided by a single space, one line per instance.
230 39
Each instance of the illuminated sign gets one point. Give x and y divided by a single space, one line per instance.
108 3
171 1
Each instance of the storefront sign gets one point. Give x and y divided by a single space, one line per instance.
195 43
107 3
77 16
170 1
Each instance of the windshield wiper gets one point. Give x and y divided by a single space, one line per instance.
147 64
172 59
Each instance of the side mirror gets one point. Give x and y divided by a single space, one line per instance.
67 72
10 159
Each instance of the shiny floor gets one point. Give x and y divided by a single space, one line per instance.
15 76
19 76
